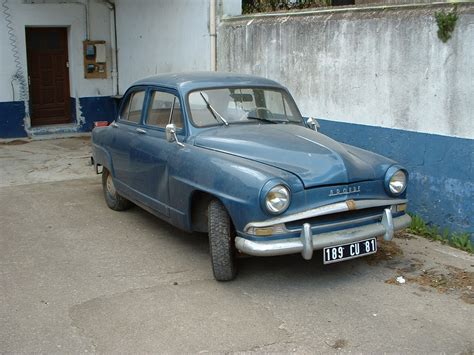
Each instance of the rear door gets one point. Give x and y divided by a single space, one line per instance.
126 129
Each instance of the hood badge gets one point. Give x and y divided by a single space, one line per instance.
344 191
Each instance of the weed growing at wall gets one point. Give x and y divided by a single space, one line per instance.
458 240
446 23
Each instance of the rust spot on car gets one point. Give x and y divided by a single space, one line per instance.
351 205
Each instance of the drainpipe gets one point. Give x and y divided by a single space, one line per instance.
212 33
113 45
86 14
88 21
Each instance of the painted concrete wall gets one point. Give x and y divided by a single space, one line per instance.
71 15
384 68
382 80
161 36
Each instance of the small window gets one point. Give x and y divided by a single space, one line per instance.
132 111
164 109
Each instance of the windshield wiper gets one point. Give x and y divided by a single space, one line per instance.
214 113
266 119
260 119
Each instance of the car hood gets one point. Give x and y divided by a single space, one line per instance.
315 158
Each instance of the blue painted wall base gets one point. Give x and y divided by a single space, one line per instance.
441 182
12 115
103 108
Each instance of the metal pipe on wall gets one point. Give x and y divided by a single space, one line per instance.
113 30
86 14
113 46
212 33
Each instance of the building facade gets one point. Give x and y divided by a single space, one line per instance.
64 64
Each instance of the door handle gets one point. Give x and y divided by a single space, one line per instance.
113 124
141 130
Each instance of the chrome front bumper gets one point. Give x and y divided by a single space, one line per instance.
307 242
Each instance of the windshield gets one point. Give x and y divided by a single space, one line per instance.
242 105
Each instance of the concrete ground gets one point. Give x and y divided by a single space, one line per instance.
27 162
79 277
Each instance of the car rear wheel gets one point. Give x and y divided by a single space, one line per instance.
221 242
112 198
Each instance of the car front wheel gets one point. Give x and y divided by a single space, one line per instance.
112 198
221 242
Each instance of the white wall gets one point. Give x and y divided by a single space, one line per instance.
162 36
51 14
375 67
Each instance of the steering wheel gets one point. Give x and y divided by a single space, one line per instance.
262 112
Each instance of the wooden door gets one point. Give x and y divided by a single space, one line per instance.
48 75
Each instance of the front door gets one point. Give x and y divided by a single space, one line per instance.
48 75
150 152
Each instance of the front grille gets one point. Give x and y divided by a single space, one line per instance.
339 218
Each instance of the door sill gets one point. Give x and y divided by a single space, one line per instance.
55 126
56 131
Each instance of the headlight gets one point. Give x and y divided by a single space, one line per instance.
277 199
398 182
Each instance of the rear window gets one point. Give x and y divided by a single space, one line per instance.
132 111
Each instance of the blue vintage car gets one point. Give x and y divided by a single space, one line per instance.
230 155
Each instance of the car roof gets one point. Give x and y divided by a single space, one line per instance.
186 82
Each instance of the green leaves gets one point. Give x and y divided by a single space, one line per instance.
458 240
446 23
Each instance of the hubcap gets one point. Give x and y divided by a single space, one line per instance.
110 185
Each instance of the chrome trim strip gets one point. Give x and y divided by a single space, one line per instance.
324 210
361 204
319 241
341 224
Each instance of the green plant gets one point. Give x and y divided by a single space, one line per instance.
458 240
462 241
446 23
255 6
417 226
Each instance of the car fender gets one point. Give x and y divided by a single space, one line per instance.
235 181
102 157
100 154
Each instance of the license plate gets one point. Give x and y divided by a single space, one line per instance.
349 251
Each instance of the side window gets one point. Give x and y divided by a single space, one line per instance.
132 110
163 109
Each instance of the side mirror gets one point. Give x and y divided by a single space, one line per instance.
313 124
171 134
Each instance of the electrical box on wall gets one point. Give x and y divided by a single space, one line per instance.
95 66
